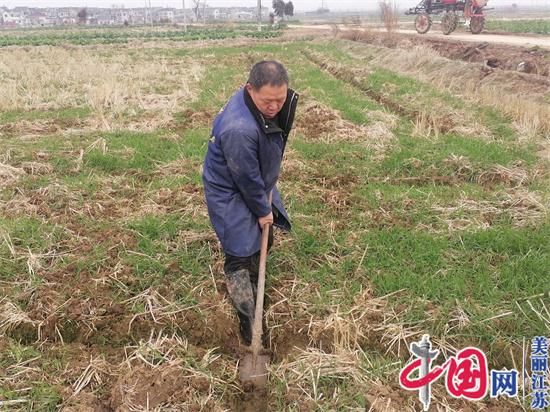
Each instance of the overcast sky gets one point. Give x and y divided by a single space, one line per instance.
298 4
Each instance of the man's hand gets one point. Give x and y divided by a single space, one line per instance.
266 219
269 218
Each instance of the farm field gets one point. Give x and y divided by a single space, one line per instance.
520 26
418 189
85 36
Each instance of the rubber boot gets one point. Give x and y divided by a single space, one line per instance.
240 292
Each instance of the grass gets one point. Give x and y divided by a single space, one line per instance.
351 103
432 154
113 254
146 151
59 115
453 100
408 91
520 26
123 36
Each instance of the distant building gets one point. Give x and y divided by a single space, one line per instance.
118 15
164 15
38 18
243 15
219 14
67 15
137 16
15 18
235 13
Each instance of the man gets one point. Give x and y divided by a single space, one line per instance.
468 12
240 173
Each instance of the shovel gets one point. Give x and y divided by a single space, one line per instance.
253 367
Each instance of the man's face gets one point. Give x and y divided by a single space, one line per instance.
268 99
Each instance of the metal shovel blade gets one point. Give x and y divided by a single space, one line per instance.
253 370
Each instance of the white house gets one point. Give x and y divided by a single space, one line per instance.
165 15
221 14
243 15
137 16
15 17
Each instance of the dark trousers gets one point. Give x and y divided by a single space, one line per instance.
252 263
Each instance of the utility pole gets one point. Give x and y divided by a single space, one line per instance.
184 16
259 15
146 12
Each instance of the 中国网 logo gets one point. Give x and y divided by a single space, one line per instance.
467 374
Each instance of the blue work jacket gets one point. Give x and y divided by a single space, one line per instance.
241 168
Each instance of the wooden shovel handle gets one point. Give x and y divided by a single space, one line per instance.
258 314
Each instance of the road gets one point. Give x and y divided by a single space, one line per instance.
522 41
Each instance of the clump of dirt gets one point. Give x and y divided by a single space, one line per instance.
10 174
530 61
41 127
317 121
217 328
331 332
380 129
461 166
194 119
74 319
390 398
286 339
513 175
84 402
13 318
252 400
37 168
49 202
148 388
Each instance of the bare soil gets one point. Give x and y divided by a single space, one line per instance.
526 60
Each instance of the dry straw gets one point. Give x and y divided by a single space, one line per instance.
115 86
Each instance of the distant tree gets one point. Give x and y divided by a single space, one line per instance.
289 9
389 15
514 6
82 16
196 9
279 8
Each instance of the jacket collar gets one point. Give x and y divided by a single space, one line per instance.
285 117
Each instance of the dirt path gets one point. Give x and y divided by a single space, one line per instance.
512 40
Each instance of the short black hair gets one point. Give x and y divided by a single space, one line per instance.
269 72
